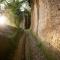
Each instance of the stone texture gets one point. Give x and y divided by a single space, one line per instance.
46 22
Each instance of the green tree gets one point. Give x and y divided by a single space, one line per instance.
17 8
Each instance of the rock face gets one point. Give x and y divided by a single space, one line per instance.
45 21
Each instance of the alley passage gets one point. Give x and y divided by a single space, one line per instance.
24 47
27 48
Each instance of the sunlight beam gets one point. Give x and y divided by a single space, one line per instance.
3 20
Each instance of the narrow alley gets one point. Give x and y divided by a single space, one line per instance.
29 29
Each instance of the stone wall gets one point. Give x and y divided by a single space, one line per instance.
34 15
46 21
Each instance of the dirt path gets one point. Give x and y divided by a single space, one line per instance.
27 49
20 51
35 52
24 46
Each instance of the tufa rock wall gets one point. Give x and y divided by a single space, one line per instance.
46 21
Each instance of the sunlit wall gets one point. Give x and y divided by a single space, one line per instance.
46 23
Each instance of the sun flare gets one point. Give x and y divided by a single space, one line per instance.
3 20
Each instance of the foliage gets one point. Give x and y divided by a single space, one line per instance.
15 6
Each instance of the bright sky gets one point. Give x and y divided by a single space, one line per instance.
24 6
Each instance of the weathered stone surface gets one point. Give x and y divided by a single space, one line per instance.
46 21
